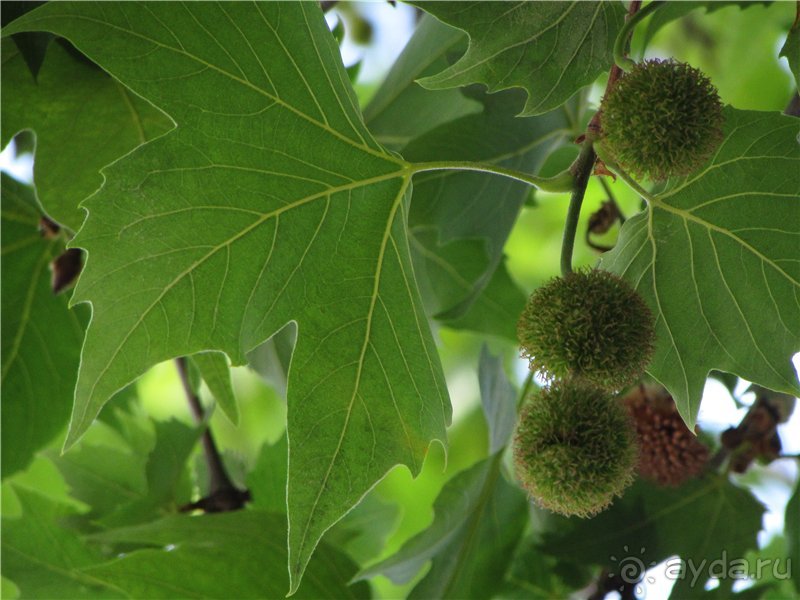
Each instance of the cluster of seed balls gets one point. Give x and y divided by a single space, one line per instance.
590 335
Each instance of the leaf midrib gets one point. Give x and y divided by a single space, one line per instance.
405 173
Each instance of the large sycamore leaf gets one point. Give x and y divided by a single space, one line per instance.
268 203
717 258
551 49
83 120
41 336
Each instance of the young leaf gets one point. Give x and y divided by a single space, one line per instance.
45 559
214 370
83 120
478 521
551 49
269 202
238 554
41 337
715 257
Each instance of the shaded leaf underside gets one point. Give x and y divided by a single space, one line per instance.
716 257
268 203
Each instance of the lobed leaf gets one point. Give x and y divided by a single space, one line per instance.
551 49
269 202
83 120
735 220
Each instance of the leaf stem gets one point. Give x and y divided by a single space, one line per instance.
558 183
621 43
582 170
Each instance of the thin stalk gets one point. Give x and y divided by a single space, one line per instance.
582 170
621 43
610 193
558 183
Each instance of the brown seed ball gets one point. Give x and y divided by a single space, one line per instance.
669 453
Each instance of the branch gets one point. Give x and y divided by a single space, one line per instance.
223 495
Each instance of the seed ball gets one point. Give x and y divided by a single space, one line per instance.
574 449
662 119
588 325
669 454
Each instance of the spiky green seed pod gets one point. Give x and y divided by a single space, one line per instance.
662 119
589 325
574 449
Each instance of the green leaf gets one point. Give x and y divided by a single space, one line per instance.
675 10
499 400
715 257
45 559
166 474
478 521
269 202
650 523
460 220
362 533
267 480
238 554
401 109
41 337
791 51
83 120
214 370
495 311
551 49
272 359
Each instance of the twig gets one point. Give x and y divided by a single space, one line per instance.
582 168
223 495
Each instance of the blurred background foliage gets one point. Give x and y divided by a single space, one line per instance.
736 48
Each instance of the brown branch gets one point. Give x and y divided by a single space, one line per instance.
223 495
